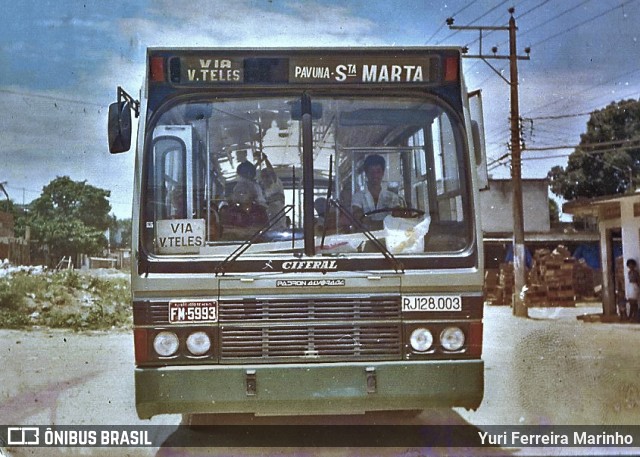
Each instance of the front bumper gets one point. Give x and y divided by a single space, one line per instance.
304 389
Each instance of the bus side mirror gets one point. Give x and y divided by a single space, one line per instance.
119 127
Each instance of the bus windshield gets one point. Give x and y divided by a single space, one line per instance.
222 172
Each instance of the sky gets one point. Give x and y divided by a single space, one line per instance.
61 62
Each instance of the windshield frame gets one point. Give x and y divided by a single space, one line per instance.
252 262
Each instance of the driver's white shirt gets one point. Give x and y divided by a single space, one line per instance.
386 200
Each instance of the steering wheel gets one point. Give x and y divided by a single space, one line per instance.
409 213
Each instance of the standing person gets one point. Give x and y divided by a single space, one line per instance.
273 193
375 195
633 289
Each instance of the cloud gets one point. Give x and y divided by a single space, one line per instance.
244 24
49 133
46 135
84 53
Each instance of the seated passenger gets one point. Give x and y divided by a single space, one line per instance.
375 196
248 205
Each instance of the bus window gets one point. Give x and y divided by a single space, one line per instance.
170 157
446 170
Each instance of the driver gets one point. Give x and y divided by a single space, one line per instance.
375 196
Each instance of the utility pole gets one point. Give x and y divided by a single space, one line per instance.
4 191
519 260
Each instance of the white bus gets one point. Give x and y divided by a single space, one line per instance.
306 236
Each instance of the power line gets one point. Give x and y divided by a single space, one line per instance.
534 8
560 116
492 31
558 16
489 32
592 145
488 12
604 13
582 91
463 8
51 97
453 15
592 153
475 20
572 28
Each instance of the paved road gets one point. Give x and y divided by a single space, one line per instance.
549 369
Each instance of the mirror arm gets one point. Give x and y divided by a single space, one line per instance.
124 96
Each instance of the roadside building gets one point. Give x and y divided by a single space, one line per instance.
619 233
16 250
496 206
562 261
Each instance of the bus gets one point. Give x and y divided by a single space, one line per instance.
306 233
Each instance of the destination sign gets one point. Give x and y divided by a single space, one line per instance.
211 70
340 69
361 70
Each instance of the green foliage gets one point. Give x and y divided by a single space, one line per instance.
14 319
64 300
601 166
67 199
554 211
70 217
10 299
120 233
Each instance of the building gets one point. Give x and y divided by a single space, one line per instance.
496 205
16 250
619 233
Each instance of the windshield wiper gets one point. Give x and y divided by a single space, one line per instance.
397 265
222 266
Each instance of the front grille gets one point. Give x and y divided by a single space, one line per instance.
312 343
308 308
310 328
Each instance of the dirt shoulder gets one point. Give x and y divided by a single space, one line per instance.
80 300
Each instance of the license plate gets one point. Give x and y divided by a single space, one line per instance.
200 311
431 303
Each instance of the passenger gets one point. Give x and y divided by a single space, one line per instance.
247 198
241 156
320 205
274 194
375 196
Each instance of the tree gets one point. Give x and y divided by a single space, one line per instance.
120 233
604 163
70 217
554 211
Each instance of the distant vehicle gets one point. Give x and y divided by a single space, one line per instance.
287 293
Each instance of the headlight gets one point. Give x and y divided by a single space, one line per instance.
421 339
452 339
166 344
198 343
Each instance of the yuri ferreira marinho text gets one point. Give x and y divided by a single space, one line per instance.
578 438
